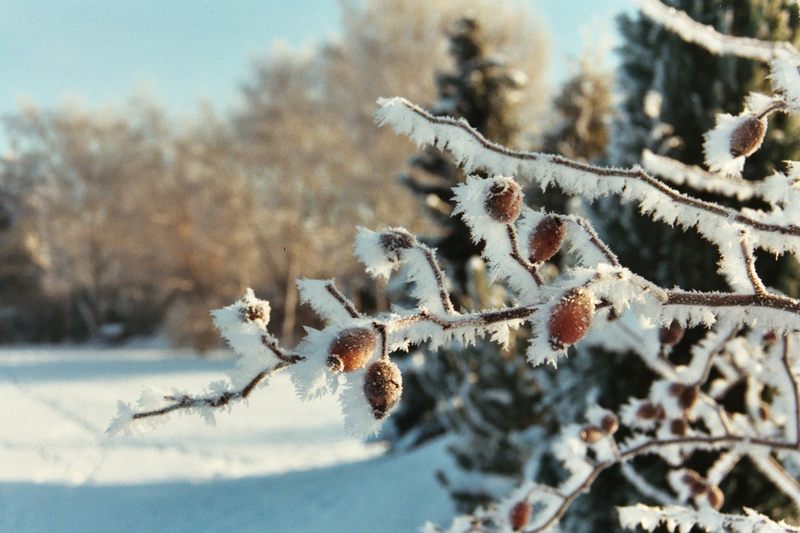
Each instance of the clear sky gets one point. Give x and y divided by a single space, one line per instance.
100 51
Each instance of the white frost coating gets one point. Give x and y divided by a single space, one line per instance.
312 378
760 103
421 272
316 293
786 79
358 418
717 145
683 519
697 178
784 190
722 466
470 198
706 36
773 470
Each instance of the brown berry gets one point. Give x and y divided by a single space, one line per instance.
748 136
504 201
383 385
650 411
519 515
351 349
546 239
571 318
610 423
592 434
672 334
715 497
393 241
678 427
688 397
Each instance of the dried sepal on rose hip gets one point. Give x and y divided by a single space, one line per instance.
351 349
747 137
383 385
251 309
503 201
570 318
519 515
546 239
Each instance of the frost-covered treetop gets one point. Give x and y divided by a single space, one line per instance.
751 333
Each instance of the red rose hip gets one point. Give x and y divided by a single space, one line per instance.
351 349
571 317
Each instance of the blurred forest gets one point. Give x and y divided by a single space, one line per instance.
117 222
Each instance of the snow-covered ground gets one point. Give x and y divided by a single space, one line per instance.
276 464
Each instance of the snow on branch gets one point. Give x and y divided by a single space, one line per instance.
683 519
771 231
697 178
715 42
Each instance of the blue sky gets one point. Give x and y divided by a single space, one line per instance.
101 51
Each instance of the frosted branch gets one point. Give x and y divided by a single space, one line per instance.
474 152
649 518
707 37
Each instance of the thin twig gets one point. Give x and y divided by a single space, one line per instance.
346 304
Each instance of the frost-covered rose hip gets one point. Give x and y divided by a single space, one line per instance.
592 434
571 317
351 349
383 385
748 136
503 200
546 239
519 515
610 423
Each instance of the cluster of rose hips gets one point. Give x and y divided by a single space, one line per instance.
383 384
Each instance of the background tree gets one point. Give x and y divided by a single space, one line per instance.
286 94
